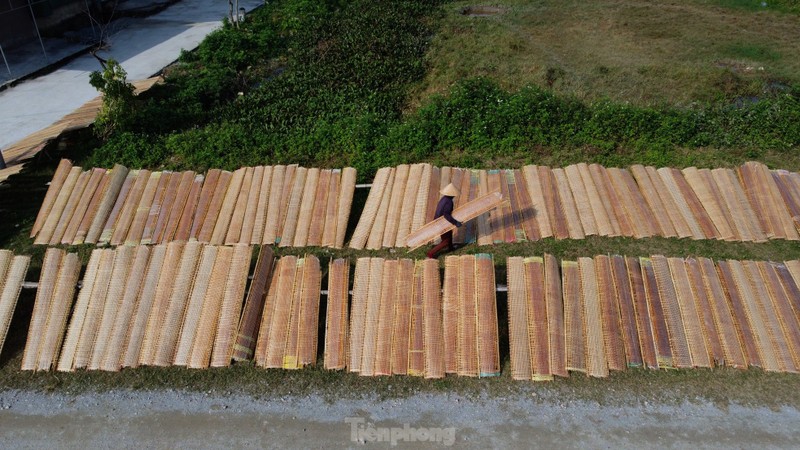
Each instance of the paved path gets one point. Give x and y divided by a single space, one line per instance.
143 48
173 419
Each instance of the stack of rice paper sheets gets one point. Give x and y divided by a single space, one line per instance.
750 203
168 304
287 205
610 312
12 275
288 334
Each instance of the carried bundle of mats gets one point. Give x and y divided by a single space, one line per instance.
751 203
169 304
401 322
12 275
287 205
611 312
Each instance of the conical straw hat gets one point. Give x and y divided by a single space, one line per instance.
450 190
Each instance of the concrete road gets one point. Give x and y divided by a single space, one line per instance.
143 47
173 419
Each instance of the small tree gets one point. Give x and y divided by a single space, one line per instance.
119 100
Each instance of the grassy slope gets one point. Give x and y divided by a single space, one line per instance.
20 197
641 52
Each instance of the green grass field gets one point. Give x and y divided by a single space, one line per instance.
640 52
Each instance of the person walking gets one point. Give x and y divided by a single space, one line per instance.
445 209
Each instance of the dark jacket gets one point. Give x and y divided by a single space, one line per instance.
445 208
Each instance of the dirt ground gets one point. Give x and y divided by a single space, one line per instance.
177 419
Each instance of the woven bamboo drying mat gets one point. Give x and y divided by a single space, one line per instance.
596 361
336 318
627 312
744 328
644 323
519 337
692 326
734 356
537 320
775 335
11 285
609 313
573 317
254 306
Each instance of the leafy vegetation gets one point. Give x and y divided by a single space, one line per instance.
327 84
